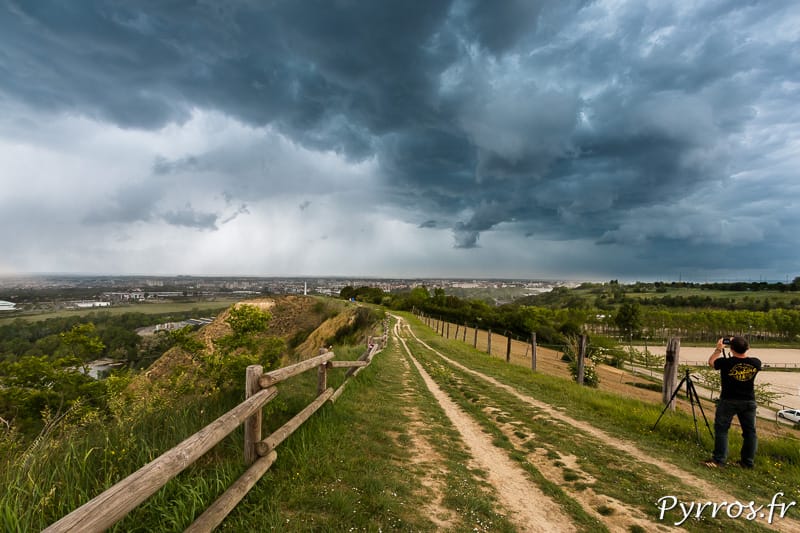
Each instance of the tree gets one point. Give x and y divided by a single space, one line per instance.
247 319
629 319
347 292
248 323
82 342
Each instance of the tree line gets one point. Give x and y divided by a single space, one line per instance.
564 313
117 332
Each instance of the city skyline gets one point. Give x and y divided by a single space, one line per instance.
571 140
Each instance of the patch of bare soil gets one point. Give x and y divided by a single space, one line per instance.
567 473
530 509
290 315
706 491
427 461
310 347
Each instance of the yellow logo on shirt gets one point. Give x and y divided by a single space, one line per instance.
743 372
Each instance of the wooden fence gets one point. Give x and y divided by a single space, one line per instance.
106 509
442 327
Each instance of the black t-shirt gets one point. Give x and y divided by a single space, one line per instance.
737 375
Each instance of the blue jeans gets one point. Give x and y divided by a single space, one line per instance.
745 410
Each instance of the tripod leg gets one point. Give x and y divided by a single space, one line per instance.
671 398
689 390
697 397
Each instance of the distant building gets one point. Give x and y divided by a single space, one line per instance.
136 295
7 306
89 304
167 294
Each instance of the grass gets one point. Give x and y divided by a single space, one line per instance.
350 467
62 470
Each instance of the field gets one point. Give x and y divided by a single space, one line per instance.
736 296
152 308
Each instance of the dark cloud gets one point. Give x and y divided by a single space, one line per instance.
242 210
163 166
191 218
557 120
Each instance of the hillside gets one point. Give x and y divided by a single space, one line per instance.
293 318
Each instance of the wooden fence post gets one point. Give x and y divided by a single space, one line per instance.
508 349
447 335
322 378
671 371
475 341
464 338
581 358
533 351
456 335
489 342
252 426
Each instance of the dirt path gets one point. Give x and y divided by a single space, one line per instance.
706 491
426 460
530 509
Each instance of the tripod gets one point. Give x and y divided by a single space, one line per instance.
691 392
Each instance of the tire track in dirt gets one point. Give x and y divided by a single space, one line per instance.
426 459
707 491
618 516
530 509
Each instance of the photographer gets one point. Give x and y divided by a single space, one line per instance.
737 374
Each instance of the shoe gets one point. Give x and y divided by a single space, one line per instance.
711 463
744 465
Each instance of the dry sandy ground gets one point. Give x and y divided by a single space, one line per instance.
509 480
787 384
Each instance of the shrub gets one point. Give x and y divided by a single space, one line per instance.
590 376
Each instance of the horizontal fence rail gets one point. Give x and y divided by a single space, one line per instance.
106 509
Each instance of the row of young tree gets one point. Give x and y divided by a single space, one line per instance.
634 321
747 296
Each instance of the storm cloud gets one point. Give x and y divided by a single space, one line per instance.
628 138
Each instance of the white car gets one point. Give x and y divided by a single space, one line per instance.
790 414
